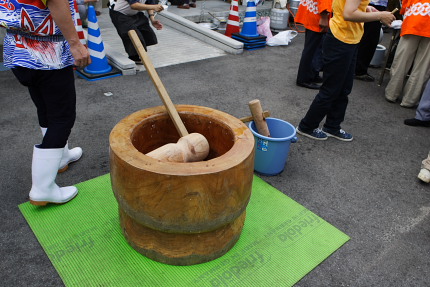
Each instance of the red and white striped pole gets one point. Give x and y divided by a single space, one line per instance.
233 19
78 25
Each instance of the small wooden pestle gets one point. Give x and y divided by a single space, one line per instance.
259 120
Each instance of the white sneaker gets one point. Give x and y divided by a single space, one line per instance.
424 175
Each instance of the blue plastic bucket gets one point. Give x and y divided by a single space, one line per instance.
271 153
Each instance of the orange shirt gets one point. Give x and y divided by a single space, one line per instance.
416 18
309 11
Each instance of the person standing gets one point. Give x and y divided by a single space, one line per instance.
127 15
368 43
41 46
185 4
422 114
315 17
424 174
413 51
339 57
98 6
83 10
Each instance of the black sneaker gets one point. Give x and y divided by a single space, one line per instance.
417 123
340 135
312 86
365 78
318 79
135 59
316 134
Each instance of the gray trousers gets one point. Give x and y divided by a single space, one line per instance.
423 110
414 50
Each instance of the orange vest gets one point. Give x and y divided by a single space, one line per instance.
309 11
416 18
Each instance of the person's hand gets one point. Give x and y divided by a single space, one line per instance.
324 19
81 54
157 24
386 18
157 8
371 9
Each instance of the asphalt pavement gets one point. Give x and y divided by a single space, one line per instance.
367 188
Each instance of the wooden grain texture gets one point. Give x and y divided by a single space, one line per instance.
190 148
182 197
179 248
266 114
260 121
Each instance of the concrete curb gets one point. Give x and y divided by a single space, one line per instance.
208 36
127 66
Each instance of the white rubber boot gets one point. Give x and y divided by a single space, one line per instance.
44 169
69 155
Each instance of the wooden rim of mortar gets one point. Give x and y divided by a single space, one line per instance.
121 145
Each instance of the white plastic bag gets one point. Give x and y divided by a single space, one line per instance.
282 38
263 27
396 24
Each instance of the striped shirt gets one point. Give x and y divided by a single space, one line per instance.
33 40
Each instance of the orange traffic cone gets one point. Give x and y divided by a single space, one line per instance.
78 25
233 19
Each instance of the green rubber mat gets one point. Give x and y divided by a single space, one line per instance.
280 243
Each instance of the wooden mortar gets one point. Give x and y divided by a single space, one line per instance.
181 213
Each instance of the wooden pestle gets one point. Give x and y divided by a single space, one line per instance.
259 120
190 147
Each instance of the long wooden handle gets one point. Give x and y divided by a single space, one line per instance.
266 114
173 113
260 121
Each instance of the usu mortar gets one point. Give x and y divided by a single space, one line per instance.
181 213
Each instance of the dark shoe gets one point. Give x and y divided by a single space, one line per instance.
184 6
134 58
316 134
340 135
312 86
390 100
193 5
408 107
365 78
98 13
417 123
318 79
